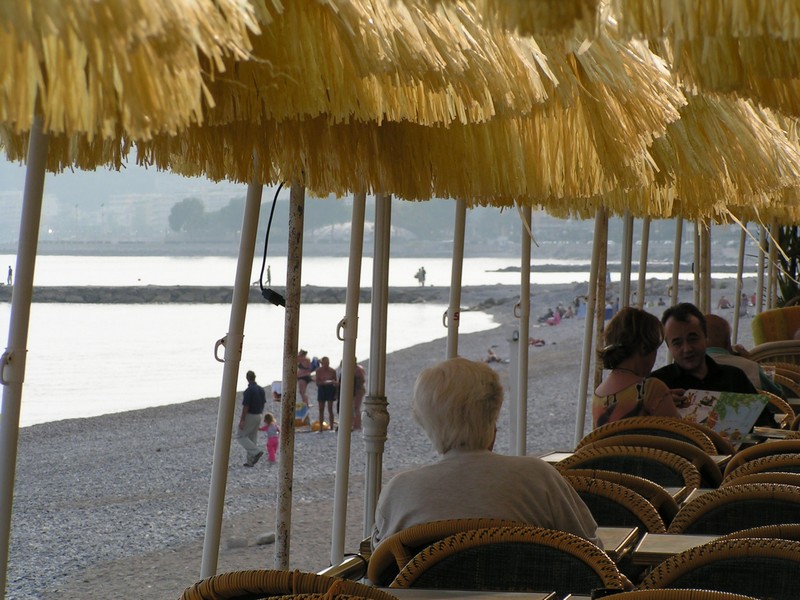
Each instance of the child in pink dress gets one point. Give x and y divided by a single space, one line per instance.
271 427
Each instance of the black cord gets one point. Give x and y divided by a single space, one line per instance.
269 294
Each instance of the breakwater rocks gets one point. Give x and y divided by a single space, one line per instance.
224 295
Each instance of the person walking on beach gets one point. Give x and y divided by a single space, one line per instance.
271 427
359 391
326 391
253 401
10 277
304 370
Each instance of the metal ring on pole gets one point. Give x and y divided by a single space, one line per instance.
340 328
219 342
5 359
517 310
444 319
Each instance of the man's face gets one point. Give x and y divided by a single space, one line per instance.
687 343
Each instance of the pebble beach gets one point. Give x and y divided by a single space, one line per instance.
115 506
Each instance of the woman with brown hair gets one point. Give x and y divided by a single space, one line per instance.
631 338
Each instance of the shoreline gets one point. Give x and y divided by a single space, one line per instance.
124 496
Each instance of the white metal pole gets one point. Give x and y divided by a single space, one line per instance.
737 305
676 261
291 331
600 302
627 255
580 417
350 330
376 414
696 264
772 271
643 261
707 267
762 246
12 361
454 309
234 341
523 348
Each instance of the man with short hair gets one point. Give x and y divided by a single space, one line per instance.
722 351
686 335
253 401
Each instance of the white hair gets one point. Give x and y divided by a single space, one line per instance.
457 402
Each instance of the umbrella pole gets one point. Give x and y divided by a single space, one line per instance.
706 274
676 261
762 241
600 303
696 263
737 304
291 329
350 328
600 223
772 271
643 261
233 342
524 334
625 259
454 310
376 414
12 361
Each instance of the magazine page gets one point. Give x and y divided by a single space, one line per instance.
729 413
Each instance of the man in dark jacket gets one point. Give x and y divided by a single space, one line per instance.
253 401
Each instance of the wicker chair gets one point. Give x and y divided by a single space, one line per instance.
729 509
759 450
787 351
721 444
764 477
664 468
779 405
763 568
790 386
680 595
660 498
521 559
394 552
663 426
710 474
777 463
262 583
792 371
784 531
613 505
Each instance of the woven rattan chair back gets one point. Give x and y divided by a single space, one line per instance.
730 509
680 595
660 498
710 474
521 559
664 468
758 567
764 477
784 531
759 450
263 583
722 445
392 554
663 426
614 505
779 405
776 463
788 383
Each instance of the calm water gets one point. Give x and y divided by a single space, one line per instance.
319 271
87 360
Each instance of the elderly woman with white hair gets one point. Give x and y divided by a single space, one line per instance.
457 402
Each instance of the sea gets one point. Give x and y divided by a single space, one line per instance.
87 360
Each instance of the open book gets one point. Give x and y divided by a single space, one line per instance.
729 413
